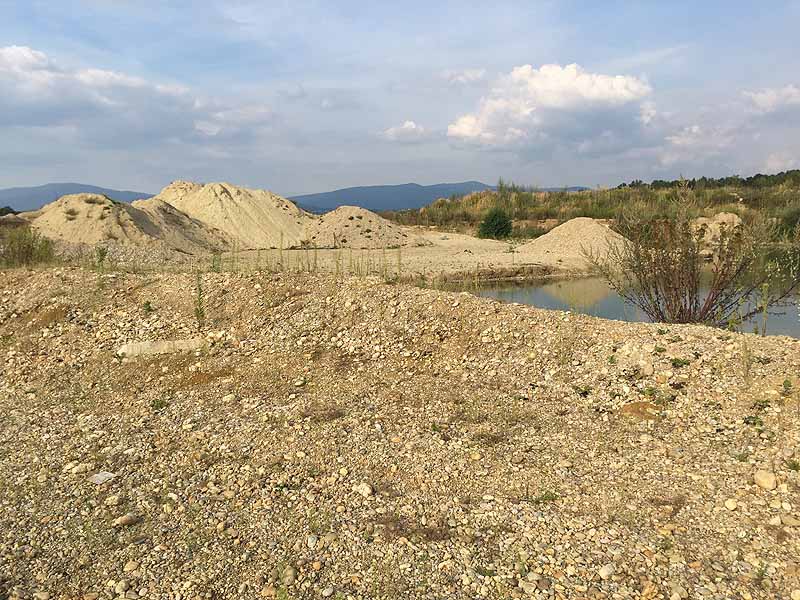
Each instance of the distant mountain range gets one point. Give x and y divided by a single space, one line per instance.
387 197
371 197
32 198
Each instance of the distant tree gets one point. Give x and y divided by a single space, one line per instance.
496 225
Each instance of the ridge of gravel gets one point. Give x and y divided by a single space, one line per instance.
346 438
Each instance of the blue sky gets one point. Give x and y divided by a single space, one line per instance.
301 97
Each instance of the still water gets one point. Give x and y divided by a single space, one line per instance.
593 297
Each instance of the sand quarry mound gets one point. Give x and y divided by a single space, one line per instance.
253 218
567 244
95 219
354 227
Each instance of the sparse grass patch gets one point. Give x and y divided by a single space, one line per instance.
158 404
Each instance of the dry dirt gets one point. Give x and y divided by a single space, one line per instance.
346 438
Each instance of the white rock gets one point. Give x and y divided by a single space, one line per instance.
606 571
101 477
160 347
765 479
364 489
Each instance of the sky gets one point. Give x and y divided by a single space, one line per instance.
307 96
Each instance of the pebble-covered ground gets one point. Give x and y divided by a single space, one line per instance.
352 439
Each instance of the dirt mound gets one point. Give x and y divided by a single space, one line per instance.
95 219
354 227
567 244
253 218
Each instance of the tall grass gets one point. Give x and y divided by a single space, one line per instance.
529 207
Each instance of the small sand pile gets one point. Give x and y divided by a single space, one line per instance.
95 219
354 227
253 218
566 245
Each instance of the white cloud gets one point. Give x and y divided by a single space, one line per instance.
464 76
696 143
109 107
772 99
530 105
778 162
647 112
409 131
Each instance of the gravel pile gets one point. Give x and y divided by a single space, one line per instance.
351 439
354 227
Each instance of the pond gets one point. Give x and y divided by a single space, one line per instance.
593 296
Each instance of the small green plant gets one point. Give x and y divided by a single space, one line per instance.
788 388
612 360
754 421
761 574
660 350
583 391
761 404
158 404
216 262
677 363
147 307
662 331
545 497
793 465
199 303
100 256
496 225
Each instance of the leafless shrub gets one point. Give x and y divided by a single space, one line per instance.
662 269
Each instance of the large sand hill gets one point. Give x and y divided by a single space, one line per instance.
94 219
354 227
253 218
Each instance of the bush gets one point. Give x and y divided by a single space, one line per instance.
661 268
496 225
790 219
21 246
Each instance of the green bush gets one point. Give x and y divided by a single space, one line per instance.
790 218
496 225
21 246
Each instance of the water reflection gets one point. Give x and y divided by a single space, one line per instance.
593 296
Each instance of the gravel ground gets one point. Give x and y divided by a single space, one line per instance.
352 439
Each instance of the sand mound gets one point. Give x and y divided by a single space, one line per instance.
253 218
178 230
565 245
713 227
354 227
95 219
